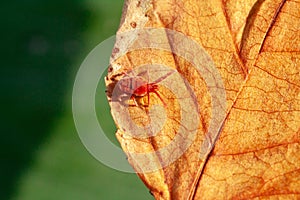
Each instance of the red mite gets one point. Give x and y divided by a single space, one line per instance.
138 87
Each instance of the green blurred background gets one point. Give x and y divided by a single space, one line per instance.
42 46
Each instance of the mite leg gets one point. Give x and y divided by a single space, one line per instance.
148 96
134 101
155 92
164 77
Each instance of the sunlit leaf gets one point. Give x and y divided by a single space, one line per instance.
253 152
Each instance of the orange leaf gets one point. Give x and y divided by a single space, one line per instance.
206 97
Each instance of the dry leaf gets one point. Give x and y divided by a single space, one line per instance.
253 150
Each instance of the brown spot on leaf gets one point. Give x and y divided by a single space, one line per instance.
133 24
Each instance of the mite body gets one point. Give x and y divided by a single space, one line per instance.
137 87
